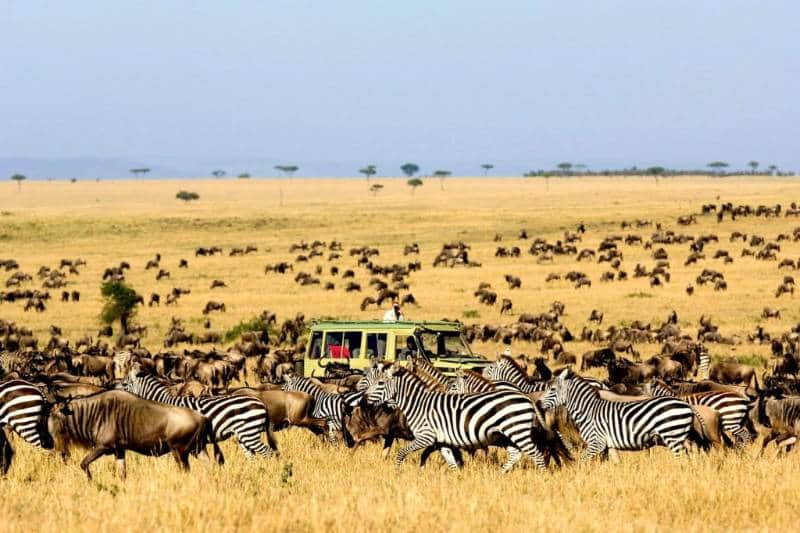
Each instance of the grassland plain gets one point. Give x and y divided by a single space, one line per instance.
314 488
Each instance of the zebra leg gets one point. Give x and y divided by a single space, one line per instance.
451 456
741 437
523 444
251 444
333 429
593 448
676 446
421 441
514 454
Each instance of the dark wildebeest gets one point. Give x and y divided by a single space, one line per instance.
213 306
733 373
506 306
292 408
116 421
597 358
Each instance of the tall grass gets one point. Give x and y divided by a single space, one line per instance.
314 488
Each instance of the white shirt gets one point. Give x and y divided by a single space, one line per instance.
389 316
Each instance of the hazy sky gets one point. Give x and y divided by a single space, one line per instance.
446 83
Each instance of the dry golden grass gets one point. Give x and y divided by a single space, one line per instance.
106 222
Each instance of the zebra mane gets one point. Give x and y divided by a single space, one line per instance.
400 372
516 365
476 377
426 366
430 381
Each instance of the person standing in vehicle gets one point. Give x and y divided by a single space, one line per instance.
394 314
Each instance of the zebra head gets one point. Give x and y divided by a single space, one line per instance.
384 390
133 381
556 394
290 382
371 375
458 385
491 371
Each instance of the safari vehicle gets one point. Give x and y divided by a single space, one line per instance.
344 345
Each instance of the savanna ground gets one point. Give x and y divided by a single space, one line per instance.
312 487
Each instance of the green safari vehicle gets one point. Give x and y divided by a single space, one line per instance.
334 343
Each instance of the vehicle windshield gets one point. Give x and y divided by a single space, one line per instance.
443 344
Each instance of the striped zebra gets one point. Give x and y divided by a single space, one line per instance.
607 425
244 417
507 369
469 381
704 365
22 408
470 421
377 372
327 405
732 408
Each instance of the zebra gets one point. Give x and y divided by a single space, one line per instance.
506 369
470 421
469 381
327 405
704 365
732 408
244 417
22 408
376 372
607 425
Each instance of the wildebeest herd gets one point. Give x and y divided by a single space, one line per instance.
116 395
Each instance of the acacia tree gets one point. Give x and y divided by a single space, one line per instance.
139 171
655 172
414 183
218 173
289 170
718 167
772 169
565 167
486 168
375 188
753 166
19 178
119 303
369 171
441 174
409 169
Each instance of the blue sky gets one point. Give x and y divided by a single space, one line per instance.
331 86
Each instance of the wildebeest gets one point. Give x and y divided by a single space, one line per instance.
212 305
733 373
114 422
513 281
292 408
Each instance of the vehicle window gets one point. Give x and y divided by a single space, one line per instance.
352 343
405 346
316 345
376 345
443 344
334 347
